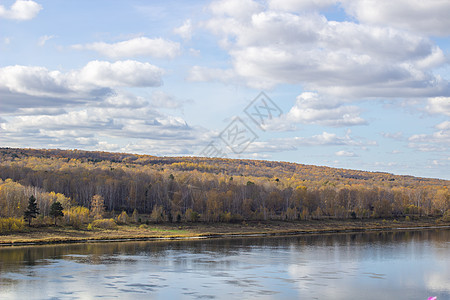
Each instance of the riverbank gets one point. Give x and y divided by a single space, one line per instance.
56 235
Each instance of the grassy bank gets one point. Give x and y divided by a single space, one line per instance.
49 235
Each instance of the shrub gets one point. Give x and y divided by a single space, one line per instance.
104 223
123 218
76 216
157 214
135 216
192 216
446 216
11 225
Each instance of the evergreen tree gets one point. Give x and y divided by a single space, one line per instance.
56 210
32 210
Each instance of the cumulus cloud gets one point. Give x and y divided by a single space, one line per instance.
141 46
293 143
444 125
185 30
96 79
428 17
310 108
300 6
40 111
161 99
346 59
435 142
21 10
346 153
439 105
94 126
124 99
326 138
393 135
240 9
120 73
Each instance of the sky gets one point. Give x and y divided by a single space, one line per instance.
349 84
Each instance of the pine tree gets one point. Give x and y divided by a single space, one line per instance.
56 210
32 210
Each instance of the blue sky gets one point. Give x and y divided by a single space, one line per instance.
351 84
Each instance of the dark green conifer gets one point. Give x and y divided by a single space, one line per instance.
32 210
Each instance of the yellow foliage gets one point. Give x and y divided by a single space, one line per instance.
11 225
104 223
76 216
123 218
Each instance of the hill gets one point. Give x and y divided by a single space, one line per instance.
216 189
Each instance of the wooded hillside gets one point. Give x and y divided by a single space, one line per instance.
214 189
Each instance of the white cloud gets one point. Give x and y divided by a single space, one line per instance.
120 73
97 126
239 9
439 105
293 143
141 46
161 99
21 10
325 139
437 137
428 17
300 6
395 135
123 99
94 78
185 30
346 153
345 59
444 125
43 39
436 142
310 108
40 111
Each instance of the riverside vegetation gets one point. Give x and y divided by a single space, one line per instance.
190 196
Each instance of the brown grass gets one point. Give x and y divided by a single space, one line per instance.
48 235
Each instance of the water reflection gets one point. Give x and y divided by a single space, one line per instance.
400 265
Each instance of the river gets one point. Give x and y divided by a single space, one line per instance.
378 265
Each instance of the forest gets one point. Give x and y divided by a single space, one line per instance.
199 189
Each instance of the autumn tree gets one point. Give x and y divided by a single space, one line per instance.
32 210
123 218
135 216
208 189
56 210
97 206
157 214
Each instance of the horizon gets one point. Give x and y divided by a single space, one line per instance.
340 84
250 159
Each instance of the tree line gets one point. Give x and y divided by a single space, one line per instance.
216 190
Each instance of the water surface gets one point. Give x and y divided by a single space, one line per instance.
382 265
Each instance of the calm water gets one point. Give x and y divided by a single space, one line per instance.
395 265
